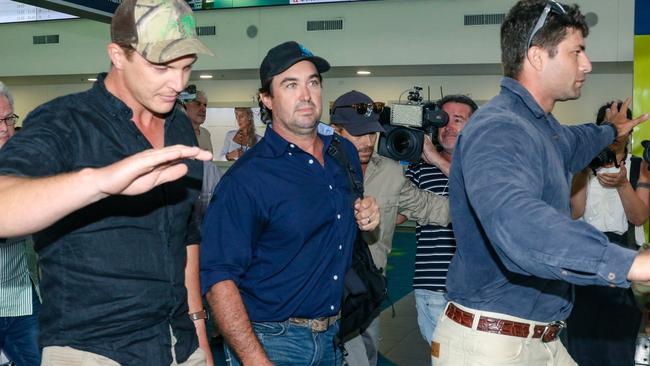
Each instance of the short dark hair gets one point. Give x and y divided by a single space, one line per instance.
600 116
459 98
519 23
265 113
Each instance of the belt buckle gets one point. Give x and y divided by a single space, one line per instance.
319 325
553 330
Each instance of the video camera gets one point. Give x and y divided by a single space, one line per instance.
406 124
605 157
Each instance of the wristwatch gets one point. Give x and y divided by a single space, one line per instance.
203 314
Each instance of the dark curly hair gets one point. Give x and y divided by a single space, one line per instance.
519 23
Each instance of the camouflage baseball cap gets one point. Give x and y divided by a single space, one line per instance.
159 30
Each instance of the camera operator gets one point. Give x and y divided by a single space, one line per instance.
355 116
604 196
435 243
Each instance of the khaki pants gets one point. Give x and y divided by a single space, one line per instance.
68 356
456 345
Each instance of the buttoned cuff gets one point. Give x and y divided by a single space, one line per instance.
615 266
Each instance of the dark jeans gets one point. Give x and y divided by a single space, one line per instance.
19 337
290 344
603 326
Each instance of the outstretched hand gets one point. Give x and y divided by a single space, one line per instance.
619 118
141 172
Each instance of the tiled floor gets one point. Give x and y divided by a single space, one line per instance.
401 343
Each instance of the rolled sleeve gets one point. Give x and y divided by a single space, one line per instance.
228 231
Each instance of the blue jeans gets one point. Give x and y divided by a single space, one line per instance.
291 344
430 305
19 336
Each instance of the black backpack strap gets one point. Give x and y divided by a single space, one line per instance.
337 151
635 166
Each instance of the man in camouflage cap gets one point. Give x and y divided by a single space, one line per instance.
106 179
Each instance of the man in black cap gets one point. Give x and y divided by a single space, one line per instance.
356 117
278 235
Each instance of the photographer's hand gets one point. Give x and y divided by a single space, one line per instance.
613 180
618 117
432 156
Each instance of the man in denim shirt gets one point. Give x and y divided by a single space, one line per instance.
518 250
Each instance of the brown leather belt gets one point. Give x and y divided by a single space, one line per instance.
547 333
316 325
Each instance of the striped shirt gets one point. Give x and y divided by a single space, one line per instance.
15 282
436 245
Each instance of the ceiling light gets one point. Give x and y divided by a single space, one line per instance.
205 76
92 79
363 72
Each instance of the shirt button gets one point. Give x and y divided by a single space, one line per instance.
290 154
564 273
340 247
330 186
335 277
338 216
331 307
292 145
611 276
311 161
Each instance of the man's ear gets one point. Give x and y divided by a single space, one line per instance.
535 57
116 54
266 100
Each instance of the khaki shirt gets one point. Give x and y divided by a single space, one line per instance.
384 179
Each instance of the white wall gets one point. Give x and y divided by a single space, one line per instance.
384 32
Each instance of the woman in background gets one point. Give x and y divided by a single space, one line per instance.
237 142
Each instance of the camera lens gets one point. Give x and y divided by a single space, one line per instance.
403 143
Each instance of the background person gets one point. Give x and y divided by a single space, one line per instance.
609 202
196 111
237 142
355 116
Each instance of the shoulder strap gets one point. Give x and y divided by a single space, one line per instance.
635 165
337 151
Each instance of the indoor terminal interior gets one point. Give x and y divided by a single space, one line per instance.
385 49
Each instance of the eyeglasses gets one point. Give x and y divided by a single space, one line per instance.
10 120
551 6
366 109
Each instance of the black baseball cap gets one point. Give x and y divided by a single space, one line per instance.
356 124
285 55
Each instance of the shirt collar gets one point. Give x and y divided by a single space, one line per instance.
516 88
277 145
115 105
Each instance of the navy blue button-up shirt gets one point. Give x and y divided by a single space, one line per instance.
518 250
281 226
112 272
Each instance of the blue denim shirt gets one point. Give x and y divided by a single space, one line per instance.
281 226
113 272
518 250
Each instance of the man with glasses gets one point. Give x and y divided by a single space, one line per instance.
196 110
278 235
518 250
19 300
106 179
356 117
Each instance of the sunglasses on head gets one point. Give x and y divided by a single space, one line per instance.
366 109
551 6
